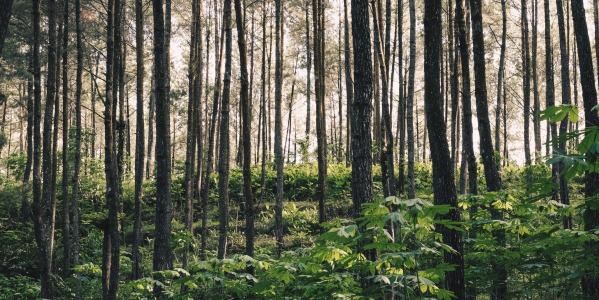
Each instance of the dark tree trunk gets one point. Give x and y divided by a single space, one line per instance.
550 91
500 76
279 124
66 211
526 81
246 134
469 160
151 114
111 236
563 128
211 140
492 177
139 139
361 183
163 257
309 70
77 158
443 179
401 107
5 14
321 136
223 162
349 83
26 187
43 211
590 280
410 102
192 122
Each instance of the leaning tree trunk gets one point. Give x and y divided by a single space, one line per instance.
443 179
590 280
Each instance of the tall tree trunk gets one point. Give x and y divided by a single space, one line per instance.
308 73
139 140
46 211
443 179
526 81
535 81
563 128
500 76
349 83
410 102
550 91
66 211
401 115
279 124
469 160
77 158
192 123
361 183
223 162
218 53
387 165
246 133
151 118
26 187
492 177
111 237
590 280
321 136
163 256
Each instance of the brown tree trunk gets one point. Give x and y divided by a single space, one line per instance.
590 280
321 136
279 124
223 161
410 102
139 140
5 14
526 81
443 179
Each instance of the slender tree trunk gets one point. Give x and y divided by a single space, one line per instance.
139 140
443 179
111 236
550 91
151 114
469 160
211 140
309 70
590 281
163 257
526 81
500 76
278 124
66 210
223 162
535 80
492 177
563 128
319 66
410 102
401 115
26 187
349 84
77 160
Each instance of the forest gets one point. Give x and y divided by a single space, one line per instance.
299 149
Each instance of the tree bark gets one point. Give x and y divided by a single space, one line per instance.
163 256
66 210
279 124
139 140
223 163
5 14
526 81
443 178
590 281
321 136
563 127
410 102
361 183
